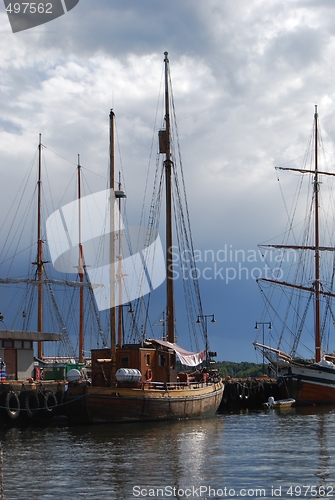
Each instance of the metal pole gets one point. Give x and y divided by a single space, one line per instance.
263 323
39 260
263 349
317 251
112 244
202 318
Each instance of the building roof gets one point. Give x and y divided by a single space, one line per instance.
33 336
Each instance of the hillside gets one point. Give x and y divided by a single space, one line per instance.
239 370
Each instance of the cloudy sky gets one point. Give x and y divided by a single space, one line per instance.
246 76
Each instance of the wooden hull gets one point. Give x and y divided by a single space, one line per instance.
309 384
116 404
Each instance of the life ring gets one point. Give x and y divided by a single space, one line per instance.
29 404
148 375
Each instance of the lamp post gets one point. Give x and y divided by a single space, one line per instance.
120 320
202 319
262 324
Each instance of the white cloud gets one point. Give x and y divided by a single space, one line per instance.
246 76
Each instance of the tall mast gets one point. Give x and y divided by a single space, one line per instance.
120 277
317 249
39 261
168 164
112 237
80 273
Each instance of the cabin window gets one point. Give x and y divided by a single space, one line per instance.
147 359
161 360
8 343
27 344
124 362
18 344
173 361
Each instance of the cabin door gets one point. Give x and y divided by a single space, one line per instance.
10 359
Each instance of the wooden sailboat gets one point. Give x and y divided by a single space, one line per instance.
311 380
140 381
38 279
13 352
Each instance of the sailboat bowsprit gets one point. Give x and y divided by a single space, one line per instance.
308 319
141 381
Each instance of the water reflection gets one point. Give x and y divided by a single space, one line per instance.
323 470
321 419
151 455
237 450
87 462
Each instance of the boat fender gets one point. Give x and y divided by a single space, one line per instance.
225 395
148 375
29 404
232 393
12 405
48 402
60 397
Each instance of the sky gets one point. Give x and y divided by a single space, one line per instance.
246 77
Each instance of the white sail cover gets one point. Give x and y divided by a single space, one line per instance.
186 357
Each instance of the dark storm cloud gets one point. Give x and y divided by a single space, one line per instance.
246 76
117 28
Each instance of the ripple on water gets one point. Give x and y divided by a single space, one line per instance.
238 450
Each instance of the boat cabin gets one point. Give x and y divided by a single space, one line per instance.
155 363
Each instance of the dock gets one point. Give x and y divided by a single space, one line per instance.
248 392
24 402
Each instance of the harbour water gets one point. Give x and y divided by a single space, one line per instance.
258 454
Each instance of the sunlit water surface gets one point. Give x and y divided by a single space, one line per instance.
263 454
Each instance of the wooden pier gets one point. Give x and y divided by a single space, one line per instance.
24 402
247 392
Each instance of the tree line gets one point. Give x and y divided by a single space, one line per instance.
239 370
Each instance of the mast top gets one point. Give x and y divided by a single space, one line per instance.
316 111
